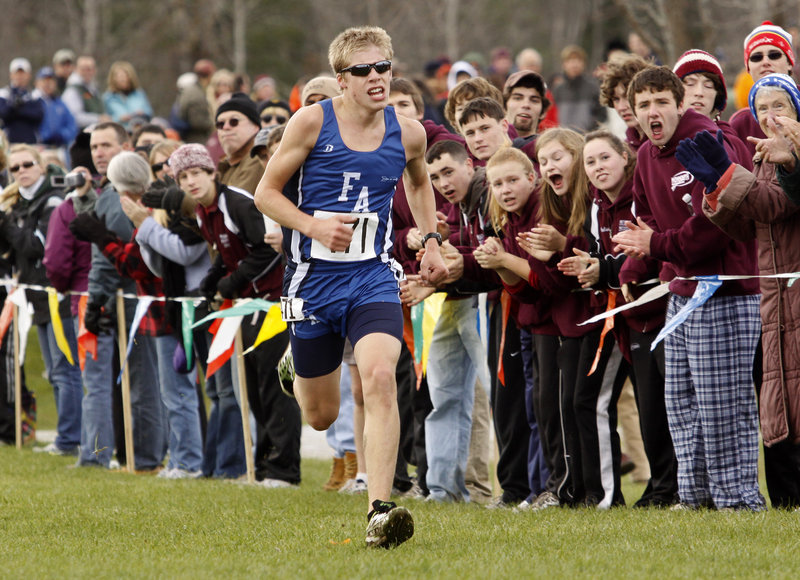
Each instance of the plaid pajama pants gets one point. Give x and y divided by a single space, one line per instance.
711 402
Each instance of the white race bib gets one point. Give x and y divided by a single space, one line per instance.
292 309
362 246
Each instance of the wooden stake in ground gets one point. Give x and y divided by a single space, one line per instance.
17 381
244 404
122 338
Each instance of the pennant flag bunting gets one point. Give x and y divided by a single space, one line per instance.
187 319
142 305
272 326
222 346
58 326
706 286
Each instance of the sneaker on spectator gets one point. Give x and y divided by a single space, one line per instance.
522 506
271 483
389 525
545 500
52 449
354 487
178 473
497 503
414 492
165 473
683 507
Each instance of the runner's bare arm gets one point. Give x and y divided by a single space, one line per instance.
420 197
298 141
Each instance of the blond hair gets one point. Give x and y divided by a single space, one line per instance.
166 148
10 195
497 214
570 211
128 69
354 39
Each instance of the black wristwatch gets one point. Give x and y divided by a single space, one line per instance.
435 235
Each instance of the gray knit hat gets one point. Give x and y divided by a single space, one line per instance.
188 156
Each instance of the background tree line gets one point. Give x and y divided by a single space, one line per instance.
288 38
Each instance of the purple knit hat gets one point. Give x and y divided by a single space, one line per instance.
188 156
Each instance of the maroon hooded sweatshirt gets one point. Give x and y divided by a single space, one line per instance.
402 218
532 308
670 200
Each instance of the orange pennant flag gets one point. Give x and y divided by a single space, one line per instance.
608 325
87 342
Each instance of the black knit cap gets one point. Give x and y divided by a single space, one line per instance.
243 104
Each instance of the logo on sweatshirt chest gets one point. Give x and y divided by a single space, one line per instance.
681 179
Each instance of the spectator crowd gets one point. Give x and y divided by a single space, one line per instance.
560 200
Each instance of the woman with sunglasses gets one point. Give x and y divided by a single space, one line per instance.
27 205
7 427
767 50
159 155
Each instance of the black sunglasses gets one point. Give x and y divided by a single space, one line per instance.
772 55
156 167
232 123
279 119
362 70
25 164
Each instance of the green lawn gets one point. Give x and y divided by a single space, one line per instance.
57 522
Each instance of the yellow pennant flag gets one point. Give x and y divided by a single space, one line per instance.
273 325
58 328
433 309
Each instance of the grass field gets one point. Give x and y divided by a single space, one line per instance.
57 522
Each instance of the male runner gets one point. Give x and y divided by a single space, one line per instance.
340 161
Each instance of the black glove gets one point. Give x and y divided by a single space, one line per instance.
229 286
164 195
690 156
90 228
96 320
208 286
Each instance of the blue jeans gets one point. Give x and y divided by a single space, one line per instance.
340 434
179 396
456 360
66 381
97 430
224 451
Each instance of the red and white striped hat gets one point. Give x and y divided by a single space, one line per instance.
699 61
768 33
